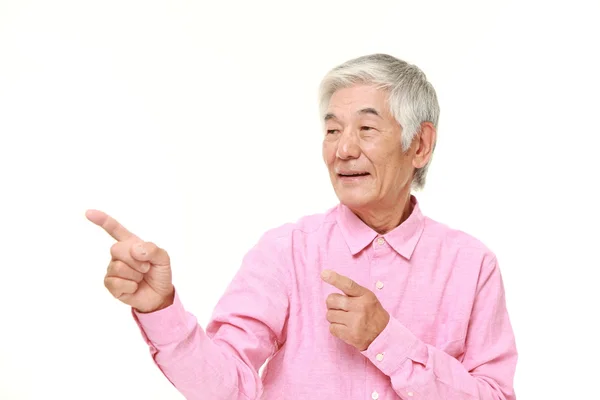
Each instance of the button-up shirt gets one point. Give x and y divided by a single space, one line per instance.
449 335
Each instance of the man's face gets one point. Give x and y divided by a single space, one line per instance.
363 151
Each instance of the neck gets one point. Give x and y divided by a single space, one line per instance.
385 217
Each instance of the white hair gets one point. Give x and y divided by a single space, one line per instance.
412 98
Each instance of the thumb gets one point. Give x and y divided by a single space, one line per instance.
150 252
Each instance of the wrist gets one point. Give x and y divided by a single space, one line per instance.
166 302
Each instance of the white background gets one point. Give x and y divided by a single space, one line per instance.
195 124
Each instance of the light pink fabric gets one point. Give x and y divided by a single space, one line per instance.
449 336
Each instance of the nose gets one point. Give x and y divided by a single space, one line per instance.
348 147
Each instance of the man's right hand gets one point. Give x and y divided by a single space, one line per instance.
139 273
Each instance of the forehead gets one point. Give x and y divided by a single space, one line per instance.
352 101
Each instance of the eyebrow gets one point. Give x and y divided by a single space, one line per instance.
368 110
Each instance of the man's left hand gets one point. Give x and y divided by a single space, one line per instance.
356 317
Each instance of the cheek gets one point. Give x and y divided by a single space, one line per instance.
380 155
388 162
329 150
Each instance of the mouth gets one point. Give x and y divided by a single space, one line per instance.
353 174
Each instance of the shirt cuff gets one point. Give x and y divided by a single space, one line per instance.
393 347
166 326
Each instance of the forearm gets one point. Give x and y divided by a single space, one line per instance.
435 375
419 371
194 363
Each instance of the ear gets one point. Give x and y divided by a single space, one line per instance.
424 144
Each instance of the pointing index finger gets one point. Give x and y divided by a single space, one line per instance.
345 284
109 224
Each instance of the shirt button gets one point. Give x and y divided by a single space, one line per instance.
410 394
375 395
379 285
379 357
380 241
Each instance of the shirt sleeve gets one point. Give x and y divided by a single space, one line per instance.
419 371
246 328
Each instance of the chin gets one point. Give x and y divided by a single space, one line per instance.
354 200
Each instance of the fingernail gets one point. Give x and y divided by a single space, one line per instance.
325 274
140 249
145 267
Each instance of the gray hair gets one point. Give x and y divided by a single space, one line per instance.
412 98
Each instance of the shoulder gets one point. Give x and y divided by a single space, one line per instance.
307 225
458 242
467 255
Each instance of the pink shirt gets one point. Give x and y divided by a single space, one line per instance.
449 336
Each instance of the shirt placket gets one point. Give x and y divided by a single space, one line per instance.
376 388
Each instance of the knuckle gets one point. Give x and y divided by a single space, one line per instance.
330 301
117 250
360 306
137 276
119 268
329 315
344 303
371 301
114 249
115 267
109 283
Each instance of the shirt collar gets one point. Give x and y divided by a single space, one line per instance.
403 239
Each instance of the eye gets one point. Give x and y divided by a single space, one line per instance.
366 128
332 131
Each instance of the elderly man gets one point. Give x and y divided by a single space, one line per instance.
369 300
